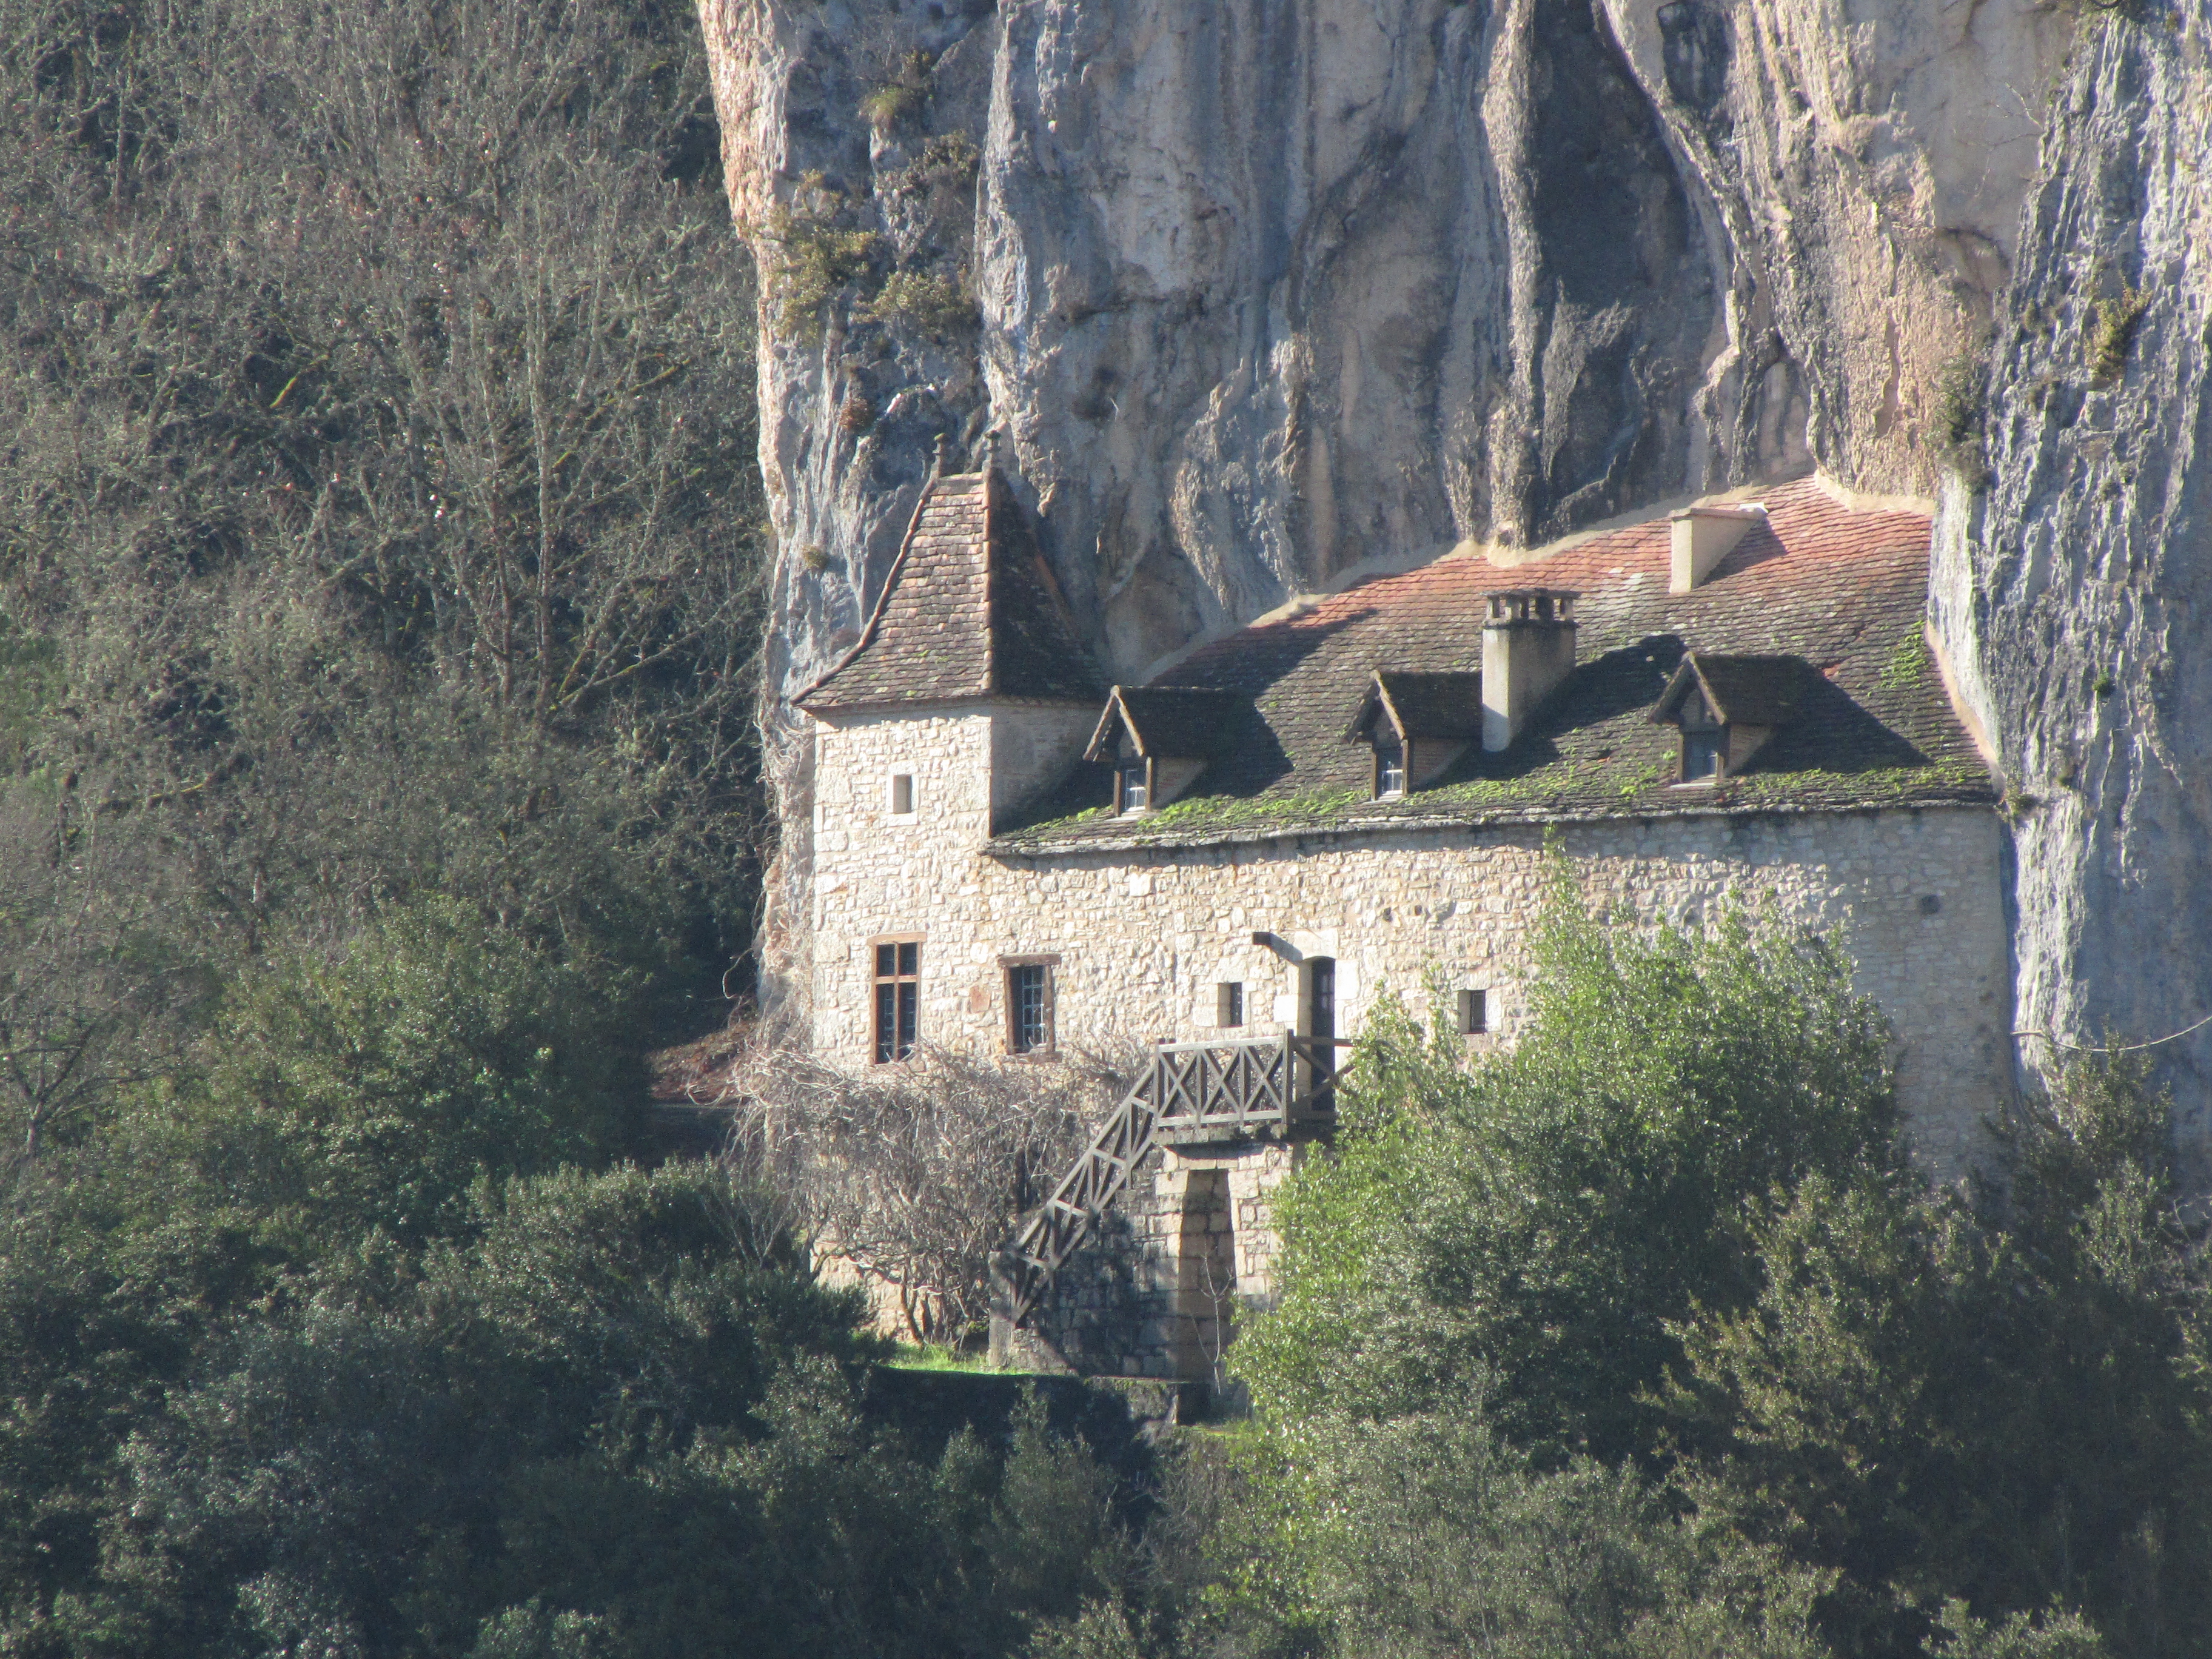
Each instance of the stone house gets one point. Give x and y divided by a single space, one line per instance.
1736 702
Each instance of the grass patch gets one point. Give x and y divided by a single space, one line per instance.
902 98
936 1357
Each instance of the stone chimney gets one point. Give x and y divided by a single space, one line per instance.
1704 536
1528 648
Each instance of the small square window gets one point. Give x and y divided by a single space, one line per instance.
902 794
1229 1003
1134 791
1701 756
1474 1013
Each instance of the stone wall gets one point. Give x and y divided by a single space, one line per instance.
1139 941
1189 1248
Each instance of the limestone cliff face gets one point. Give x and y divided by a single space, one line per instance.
2074 591
1259 292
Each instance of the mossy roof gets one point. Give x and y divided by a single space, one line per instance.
1839 590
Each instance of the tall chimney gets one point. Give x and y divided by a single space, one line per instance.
1528 648
1704 536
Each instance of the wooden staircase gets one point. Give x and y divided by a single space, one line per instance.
1190 1093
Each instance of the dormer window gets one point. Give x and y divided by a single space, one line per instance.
1133 791
1160 740
1705 741
1726 708
1417 725
1389 766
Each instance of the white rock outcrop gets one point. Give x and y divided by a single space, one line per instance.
1261 292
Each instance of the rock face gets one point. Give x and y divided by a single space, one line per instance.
1260 292
2074 591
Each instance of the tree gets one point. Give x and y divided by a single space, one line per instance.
379 511
1524 1229
376 1090
1999 1403
917 1179
1428 1536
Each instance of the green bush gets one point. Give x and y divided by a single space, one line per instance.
373 1092
2003 1403
1426 1537
1523 1229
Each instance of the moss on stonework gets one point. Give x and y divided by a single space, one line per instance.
1605 784
1872 787
1233 810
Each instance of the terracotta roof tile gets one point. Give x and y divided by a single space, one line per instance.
1841 591
969 610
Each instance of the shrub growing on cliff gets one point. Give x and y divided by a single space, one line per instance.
1955 428
817 256
934 305
2112 332
1523 1229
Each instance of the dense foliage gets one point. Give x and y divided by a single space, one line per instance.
377 516
1526 1229
378 544
1659 1293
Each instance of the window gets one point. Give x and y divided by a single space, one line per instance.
1701 755
1474 1013
1028 1007
902 794
1133 791
1229 1003
1705 740
898 988
1390 763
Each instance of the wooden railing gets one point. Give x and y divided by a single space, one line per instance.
1258 1088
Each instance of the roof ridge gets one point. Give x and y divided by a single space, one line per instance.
883 598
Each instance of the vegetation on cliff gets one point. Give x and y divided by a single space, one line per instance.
378 604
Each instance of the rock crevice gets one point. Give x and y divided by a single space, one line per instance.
1259 294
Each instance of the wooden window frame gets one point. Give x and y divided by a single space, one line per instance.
1121 770
1473 1011
1719 736
1049 1045
901 1045
1228 998
891 807
1404 753
1697 721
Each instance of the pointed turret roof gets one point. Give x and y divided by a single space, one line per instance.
969 610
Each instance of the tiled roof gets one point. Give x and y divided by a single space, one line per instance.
1839 589
1169 722
1442 706
1754 691
970 609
